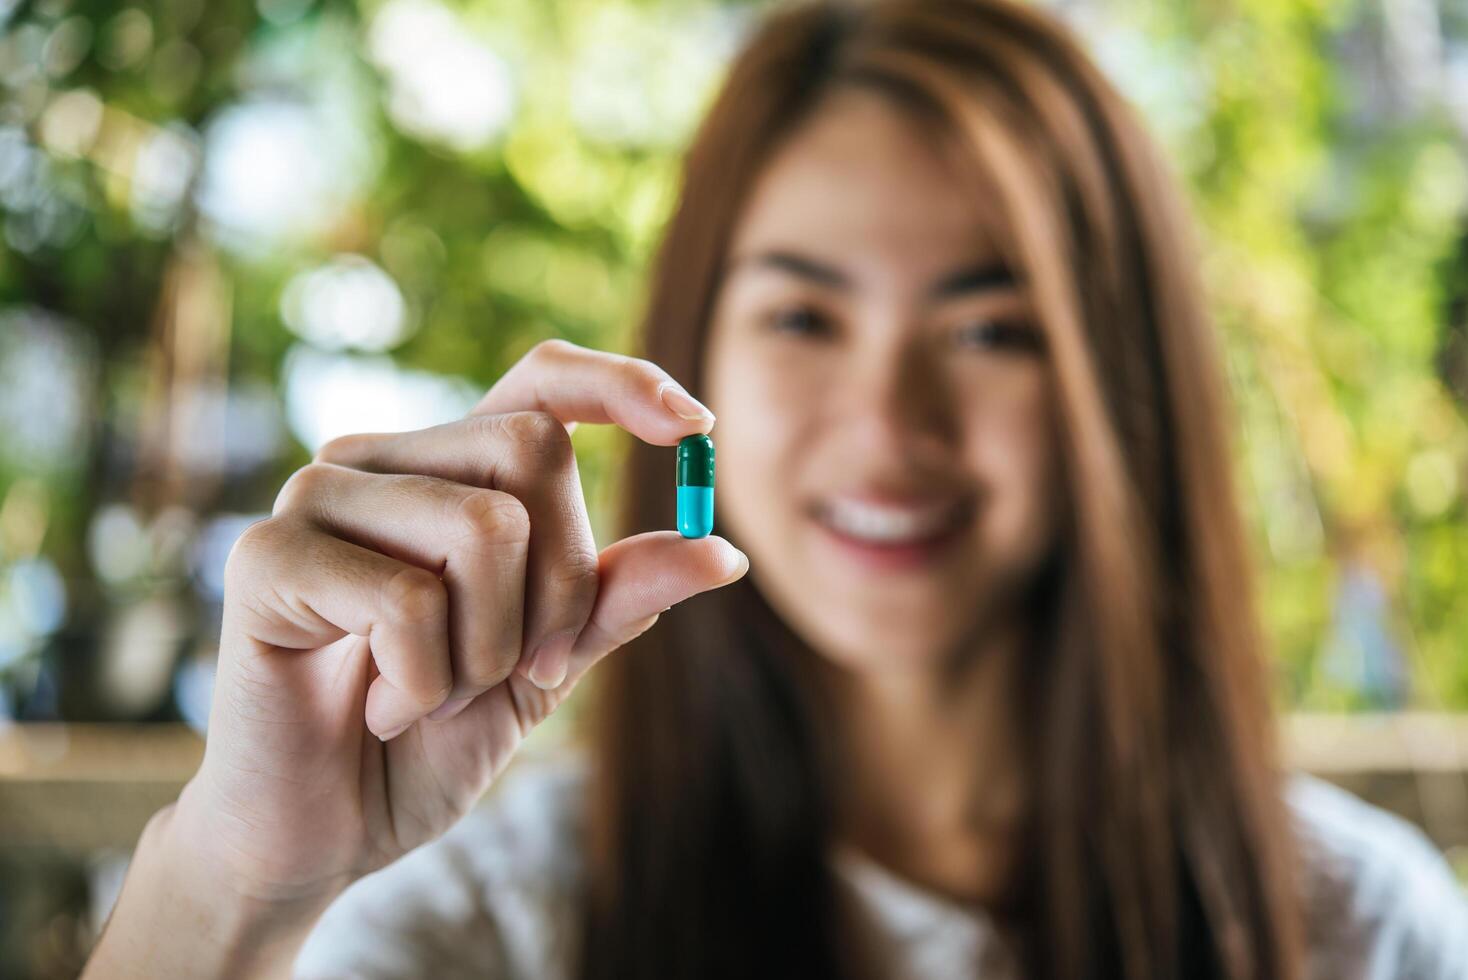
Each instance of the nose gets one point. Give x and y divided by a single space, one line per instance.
901 397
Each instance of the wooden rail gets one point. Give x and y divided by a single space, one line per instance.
83 787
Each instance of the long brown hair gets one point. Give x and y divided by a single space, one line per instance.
1159 845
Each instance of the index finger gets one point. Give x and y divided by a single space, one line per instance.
578 384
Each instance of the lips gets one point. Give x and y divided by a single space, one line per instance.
882 523
884 538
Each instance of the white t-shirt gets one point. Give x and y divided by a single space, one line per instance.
495 898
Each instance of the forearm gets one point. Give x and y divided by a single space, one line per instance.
171 920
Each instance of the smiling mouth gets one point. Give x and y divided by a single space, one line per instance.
911 530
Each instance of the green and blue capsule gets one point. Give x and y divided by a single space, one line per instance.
696 486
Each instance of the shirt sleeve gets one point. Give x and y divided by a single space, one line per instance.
1382 903
493 899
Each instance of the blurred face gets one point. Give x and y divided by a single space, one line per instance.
885 438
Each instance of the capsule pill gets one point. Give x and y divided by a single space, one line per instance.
695 486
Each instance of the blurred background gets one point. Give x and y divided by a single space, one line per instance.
231 232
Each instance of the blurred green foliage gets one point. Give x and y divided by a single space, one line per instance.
488 173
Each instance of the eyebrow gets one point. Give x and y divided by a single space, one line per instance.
974 279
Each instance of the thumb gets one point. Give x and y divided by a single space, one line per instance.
642 576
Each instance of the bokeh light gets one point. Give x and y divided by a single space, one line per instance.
347 303
444 84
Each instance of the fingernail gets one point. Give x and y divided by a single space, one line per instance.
739 572
551 660
682 404
448 709
389 736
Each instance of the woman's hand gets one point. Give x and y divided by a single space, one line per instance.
415 605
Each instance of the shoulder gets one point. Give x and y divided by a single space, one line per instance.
1380 900
493 897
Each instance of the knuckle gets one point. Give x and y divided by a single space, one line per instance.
342 448
644 372
539 433
334 450
495 517
550 349
253 543
414 595
576 572
640 375
303 486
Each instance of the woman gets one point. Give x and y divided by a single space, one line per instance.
990 701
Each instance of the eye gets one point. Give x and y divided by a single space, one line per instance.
1001 335
800 321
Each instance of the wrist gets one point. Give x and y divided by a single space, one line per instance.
195 832
179 914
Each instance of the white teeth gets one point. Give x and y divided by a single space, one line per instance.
885 524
